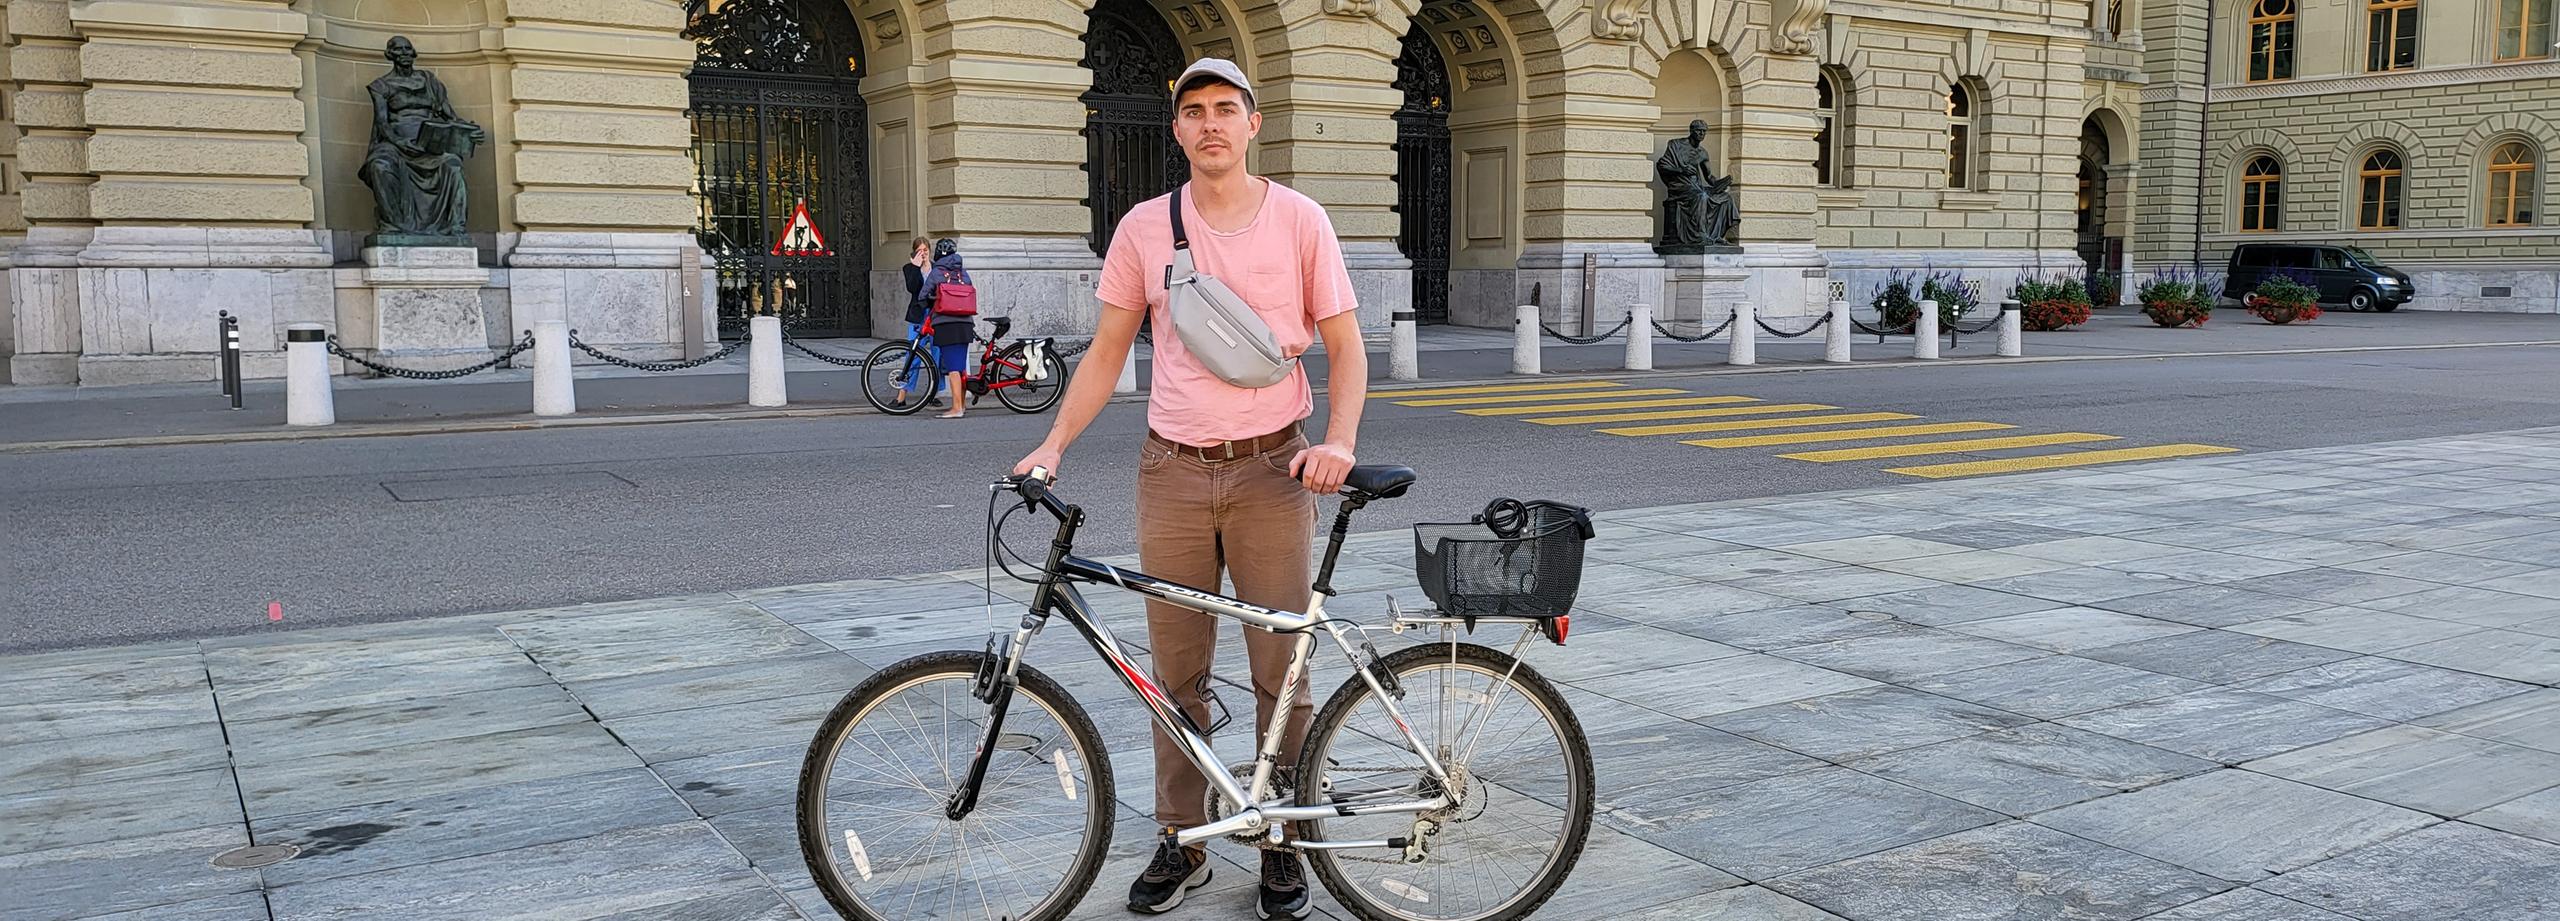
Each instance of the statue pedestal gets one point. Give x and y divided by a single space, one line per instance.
426 303
1704 287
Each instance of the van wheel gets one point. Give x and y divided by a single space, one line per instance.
2363 300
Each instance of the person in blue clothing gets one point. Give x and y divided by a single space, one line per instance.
951 335
919 264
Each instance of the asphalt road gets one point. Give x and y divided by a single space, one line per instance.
121 544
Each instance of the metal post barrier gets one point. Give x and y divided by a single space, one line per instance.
1924 331
1404 348
1524 339
555 388
230 327
1640 337
2012 330
1742 345
307 397
764 362
1835 340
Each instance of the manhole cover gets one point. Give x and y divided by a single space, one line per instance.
255 856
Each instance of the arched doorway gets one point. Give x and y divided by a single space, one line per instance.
1422 172
1130 155
778 119
2099 252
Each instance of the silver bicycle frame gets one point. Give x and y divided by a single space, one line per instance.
1252 815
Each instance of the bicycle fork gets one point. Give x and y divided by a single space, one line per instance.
995 683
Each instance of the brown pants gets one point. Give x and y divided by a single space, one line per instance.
1250 518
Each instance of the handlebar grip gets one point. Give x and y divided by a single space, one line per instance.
1035 487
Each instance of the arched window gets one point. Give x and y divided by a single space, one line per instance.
2391 35
1831 142
2524 29
2262 195
2512 185
2378 196
2270 40
1963 157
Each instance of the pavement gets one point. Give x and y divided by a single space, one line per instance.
56 417
2305 685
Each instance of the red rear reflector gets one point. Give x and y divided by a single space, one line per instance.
1563 623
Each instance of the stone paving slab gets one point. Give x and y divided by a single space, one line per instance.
1856 695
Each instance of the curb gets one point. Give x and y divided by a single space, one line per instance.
528 423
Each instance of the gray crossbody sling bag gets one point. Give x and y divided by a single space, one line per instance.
1217 326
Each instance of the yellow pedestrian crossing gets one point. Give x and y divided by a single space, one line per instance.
1593 407
1944 447
1754 422
1747 424
1758 409
2054 461
1531 397
1498 388
1888 431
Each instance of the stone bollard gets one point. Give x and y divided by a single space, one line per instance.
1404 349
307 397
1128 382
1924 331
2012 330
1640 337
1742 342
1835 337
1524 339
555 389
765 385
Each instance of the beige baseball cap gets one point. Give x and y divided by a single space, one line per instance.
1218 69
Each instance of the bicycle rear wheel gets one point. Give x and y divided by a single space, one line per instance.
898 378
1516 756
879 776
1026 396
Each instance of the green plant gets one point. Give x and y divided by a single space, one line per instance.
1954 299
2047 305
1894 303
2282 298
2177 298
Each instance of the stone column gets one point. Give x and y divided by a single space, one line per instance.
44 291
200 198
1773 166
1589 148
602 211
13 221
1328 129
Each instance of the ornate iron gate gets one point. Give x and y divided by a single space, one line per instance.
777 119
1130 155
1422 173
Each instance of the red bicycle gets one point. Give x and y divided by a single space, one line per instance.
1026 375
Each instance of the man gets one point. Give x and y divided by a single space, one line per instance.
1226 479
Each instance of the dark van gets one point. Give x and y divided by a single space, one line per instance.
2343 274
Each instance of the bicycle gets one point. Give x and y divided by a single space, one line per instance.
900 819
899 377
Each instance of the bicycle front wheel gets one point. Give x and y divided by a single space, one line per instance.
898 378
878 779
1024 395
1517 761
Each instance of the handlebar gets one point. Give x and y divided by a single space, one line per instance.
1034 489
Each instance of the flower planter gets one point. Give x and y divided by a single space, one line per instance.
2175 315
2282 312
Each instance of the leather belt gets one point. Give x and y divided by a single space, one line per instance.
1230 450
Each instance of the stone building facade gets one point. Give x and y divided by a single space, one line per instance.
164 159
2419 130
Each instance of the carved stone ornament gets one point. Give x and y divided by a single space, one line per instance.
1797 22
1619 20
1485 73
1351 7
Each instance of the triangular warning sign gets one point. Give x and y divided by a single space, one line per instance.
802 237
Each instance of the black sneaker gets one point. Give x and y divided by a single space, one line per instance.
1175 871
1284 888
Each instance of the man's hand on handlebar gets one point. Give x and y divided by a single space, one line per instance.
1043 456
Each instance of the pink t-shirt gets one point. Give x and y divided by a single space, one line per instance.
1287 263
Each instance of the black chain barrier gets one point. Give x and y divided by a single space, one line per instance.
1882 331
1666 332
1588 340
1071 351
839 360
724 352
417 375
1818 323
1970 330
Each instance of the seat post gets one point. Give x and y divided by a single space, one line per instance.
1333 545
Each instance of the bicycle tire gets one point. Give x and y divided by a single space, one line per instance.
1028 397
883 369
1033 690
1317 783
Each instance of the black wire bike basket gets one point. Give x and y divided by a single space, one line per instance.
1519 559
